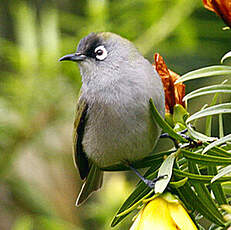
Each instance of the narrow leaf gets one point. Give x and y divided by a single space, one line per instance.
212 110
163 124
138 194
195 121
199 178
218 151
218 142
227 55
165 170
205 159
221 128
218 70
208 123
127 211
208 90
216 187
198 135
193 202
223 172
140 191
204 194
179 183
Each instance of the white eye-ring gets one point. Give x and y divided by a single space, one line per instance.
101 53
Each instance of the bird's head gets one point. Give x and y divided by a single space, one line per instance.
98 53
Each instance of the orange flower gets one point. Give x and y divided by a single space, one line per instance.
174 93
221 8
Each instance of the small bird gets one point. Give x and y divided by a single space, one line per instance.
113 122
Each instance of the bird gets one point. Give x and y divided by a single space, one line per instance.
113 122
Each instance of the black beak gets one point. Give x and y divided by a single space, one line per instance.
73 57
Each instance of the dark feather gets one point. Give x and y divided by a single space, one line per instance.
80 157
93 183
88 171
88 44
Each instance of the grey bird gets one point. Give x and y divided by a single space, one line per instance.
113 121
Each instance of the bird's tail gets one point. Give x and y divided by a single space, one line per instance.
93 183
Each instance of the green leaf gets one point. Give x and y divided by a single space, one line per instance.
198 135
140 191
204 194
222 173
179 114
217 142
227 188
138 194
185 198
216 187
164 125
169 119
218 70
227 55
134 206
212 110
205 159
165 170
221 128
199 178
218 151
179 183
179 127
208 123
208 90
208 126
193 202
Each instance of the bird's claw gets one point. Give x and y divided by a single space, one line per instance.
192 143
151 183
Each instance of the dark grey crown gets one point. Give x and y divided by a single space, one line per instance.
88 44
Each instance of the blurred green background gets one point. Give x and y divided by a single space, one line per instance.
38 181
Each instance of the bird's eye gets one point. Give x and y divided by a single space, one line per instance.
101 53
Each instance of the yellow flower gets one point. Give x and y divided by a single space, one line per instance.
163 213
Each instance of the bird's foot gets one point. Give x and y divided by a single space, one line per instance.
182 133
149 183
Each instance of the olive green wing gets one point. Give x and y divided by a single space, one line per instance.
88 171
80 158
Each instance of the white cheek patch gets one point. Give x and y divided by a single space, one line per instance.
104 53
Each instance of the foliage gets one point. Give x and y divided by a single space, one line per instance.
201 168
38 182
